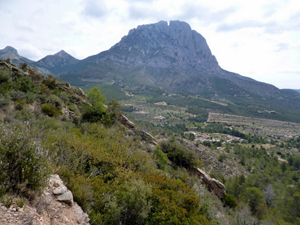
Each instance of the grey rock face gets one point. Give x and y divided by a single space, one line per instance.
164 46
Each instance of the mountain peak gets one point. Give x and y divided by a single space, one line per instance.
62 54
166 45
57 63
10 53
9 49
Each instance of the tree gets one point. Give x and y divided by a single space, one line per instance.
24 66
269 194
114 110
160 157
293 206
96 111
255 199
229 201
95 96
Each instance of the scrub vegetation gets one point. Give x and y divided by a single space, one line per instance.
48 126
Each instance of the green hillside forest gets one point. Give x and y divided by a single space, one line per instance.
120 177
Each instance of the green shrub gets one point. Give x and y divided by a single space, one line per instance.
207 143
50 82
23 66
22 161
255 199
173 202
17 95
222 157
55 101
8 201
94 114
160 157
95 111
4 102
179 155
19 107
135 201
229 201
20 203
50 110
82 191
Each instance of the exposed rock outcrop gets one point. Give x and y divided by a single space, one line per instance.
12 67
55 206
126 122
212 184
130 125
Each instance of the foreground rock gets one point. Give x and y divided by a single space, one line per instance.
211 184
55 206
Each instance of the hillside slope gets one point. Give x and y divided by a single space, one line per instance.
115 175
119 176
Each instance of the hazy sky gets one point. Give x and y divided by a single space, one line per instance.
257 38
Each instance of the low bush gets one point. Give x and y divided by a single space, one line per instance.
50 110
22 162
160 158
229 201
179 155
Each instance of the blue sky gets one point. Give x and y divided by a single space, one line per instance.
258 38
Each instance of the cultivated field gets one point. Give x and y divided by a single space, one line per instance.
258 125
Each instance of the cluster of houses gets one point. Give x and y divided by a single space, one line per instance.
267 111
208 138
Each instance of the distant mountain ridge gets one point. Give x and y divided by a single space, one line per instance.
168 57
51 64
171 56
57 63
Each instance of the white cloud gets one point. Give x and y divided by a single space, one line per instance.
30 51
96 9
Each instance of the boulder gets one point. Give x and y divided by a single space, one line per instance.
66 197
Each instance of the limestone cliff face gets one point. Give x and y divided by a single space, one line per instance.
163 45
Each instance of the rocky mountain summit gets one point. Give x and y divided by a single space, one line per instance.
11 53
163 45
57 63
